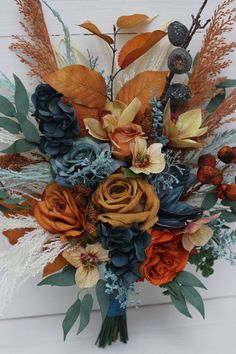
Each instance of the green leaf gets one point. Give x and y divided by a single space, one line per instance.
227 216
3 194
13 201
230 204
180 304
188 279
195 59
71 316
21 145
6 107
86 308
21 97
102 297
130 174
28 129
9 125
216 101
209 201
64 278
227 83
194 298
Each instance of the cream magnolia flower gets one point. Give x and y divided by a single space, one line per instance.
198 233
146 159
86 260
117 126
186 127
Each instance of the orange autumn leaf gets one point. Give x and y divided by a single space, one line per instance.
137 46
79 84
91 27
133 20
82 113
58 263
142 87
14 235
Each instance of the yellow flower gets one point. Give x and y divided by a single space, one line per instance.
187 126
86 260
117 126
146 159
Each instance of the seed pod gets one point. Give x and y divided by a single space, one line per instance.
177 33
210 175
226 154
207 160
180 61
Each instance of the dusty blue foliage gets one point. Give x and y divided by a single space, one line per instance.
168 178
93 61
157 123
223 242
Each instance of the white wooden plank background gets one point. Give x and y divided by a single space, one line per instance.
30 300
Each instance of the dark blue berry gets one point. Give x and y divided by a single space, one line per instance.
179 61
177 33
178 94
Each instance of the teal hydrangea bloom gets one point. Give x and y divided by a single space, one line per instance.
87 162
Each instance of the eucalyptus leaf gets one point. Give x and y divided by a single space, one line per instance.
194 298
21 97
3 194
216 101
188 279
227 83
6 107
21 145
85 312
102 297
209 201
180 304
13 201
28 129
71 316
10 125
230 204
228 216
64 278
130 174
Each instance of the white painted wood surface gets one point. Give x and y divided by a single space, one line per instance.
33 301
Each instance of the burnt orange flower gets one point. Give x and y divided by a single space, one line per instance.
227 192
124 201
210 175
165 257
58 213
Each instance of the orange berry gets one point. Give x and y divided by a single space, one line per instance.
227 192
210 175
207 160
226 154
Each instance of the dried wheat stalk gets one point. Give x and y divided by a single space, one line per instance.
35 51
212 58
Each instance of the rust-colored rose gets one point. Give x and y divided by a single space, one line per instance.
122 137
124 201
210 175
165 257
58 213
227 192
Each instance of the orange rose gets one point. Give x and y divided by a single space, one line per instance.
58 213
122 137
121 202
165 257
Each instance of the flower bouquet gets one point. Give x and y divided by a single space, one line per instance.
123 176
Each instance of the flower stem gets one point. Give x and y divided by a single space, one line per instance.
114 51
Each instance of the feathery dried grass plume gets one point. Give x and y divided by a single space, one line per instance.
227 107
213 56
37 51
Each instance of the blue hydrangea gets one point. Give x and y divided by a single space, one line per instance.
87 162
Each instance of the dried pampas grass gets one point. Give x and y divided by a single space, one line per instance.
37 51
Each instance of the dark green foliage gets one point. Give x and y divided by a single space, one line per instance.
64 278
204 262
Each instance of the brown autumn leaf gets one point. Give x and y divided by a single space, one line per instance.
79 84
55 266
83 112
133 20
137 46
142 87
91 27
